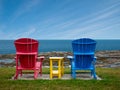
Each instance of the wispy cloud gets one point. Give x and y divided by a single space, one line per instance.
97 16
91 23
26 6
78 27
103 33
65 19
93 18
26 33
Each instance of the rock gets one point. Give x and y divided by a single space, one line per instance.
104 58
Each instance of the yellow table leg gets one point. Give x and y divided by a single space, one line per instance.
62 67
51 69
59 68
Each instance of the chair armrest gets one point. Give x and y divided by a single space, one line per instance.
16 60
70 58
41 58
95 58
15 57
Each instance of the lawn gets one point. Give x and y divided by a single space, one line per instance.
110 81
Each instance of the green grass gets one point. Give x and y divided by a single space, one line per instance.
110 76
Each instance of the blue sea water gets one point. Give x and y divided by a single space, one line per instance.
7 46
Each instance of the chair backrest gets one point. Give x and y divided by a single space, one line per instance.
83 50
26 45
27 61
83 45
83 61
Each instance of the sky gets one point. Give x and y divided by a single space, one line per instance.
59 19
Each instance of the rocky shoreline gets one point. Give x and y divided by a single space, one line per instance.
106 59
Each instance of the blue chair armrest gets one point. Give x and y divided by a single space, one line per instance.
95 59
70 58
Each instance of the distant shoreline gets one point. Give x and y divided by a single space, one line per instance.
104 53
104 58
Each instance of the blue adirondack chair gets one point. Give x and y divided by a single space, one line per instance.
83 56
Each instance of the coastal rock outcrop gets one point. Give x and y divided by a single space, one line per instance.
104 58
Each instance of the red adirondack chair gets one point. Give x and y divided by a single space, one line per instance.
26 56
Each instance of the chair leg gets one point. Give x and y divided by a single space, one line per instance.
73 74
91 73
20 72
16 75
73 69
35 74
41 71
94 74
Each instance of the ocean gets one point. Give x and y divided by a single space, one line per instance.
7 46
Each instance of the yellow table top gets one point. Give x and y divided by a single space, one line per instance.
56 57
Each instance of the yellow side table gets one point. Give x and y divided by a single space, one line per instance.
60 70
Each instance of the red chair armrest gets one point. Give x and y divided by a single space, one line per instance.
15 58
41 58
